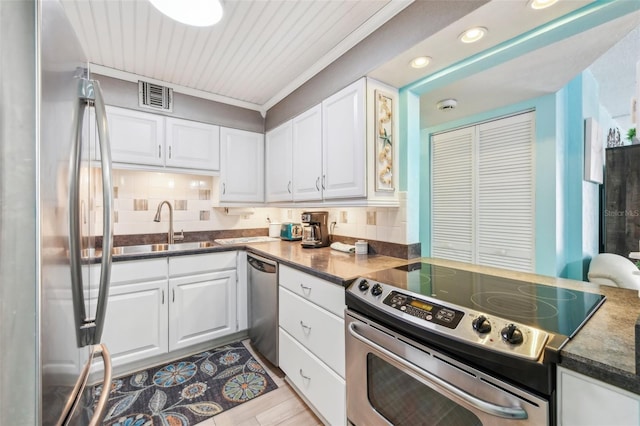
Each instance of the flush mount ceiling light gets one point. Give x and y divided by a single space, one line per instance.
472 34
198 13
541 4
447 104
420 62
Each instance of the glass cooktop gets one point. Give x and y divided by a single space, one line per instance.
554 309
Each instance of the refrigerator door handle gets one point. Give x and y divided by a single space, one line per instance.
89 331
107 211
70 412
101 407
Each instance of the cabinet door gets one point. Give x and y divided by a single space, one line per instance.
307 155
242 166
344 143
192 145
136 137
584 401
279 162
202 307
136 321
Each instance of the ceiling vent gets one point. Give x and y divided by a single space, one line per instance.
154 96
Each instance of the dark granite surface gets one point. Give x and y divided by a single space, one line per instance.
605 348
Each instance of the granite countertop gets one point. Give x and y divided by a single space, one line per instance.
603 349
326 263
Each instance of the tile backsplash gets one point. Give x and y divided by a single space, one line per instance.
137 195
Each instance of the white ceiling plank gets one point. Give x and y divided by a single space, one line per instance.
154 25
101 27
128 28
296 57
140 38
162 47
281 36
230 44
194 41
176 45
116 33
248 36
201 57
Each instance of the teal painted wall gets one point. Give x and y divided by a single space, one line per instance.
547 175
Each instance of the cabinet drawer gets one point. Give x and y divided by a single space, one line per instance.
323 388
316 329
316 290
132 271
201 263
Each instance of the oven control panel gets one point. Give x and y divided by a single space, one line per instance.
459 323
427 311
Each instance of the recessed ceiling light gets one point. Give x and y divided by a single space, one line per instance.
541 4
198 13
472 34
420 62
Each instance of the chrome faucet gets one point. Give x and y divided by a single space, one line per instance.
170 236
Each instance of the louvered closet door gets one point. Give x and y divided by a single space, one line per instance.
452 195
505 195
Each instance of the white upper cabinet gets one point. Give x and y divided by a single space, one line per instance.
279 164
136 137
241 166
307 155
192 145
145 139
344 143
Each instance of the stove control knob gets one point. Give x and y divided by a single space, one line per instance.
511 334
481 324
364 285
376 290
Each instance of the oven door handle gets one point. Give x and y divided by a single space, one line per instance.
480 404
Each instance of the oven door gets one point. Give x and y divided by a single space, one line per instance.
394 380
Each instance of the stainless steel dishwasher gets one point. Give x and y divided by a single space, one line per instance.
263 306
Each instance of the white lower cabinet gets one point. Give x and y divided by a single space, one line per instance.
160 305
136 320
320 385
203 307
311 341
584 401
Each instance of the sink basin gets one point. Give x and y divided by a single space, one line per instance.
153 248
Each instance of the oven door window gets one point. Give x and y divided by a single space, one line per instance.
403 400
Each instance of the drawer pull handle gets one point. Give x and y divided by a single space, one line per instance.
303 376
305 289
305 327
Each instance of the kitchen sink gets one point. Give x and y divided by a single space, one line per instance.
152 248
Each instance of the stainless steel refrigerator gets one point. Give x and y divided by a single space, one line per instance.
73 173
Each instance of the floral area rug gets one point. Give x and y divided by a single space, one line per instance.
187 391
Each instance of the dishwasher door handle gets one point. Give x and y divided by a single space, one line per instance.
262 265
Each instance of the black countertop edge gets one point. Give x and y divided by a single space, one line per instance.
605 373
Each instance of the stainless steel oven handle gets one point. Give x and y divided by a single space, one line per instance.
487 407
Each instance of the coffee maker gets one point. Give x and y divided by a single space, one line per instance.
315 231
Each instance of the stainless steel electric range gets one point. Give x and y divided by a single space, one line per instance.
433 345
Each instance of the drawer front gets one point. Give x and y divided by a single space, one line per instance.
131 271
323 388
315 328
201 263
316 290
